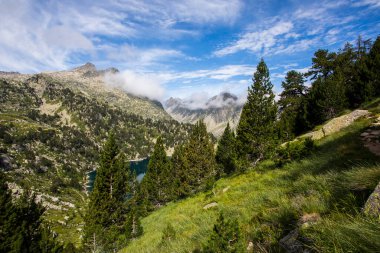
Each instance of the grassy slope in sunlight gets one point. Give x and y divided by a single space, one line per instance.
268 202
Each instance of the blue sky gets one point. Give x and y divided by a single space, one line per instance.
178 48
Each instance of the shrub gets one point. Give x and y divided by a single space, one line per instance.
294 151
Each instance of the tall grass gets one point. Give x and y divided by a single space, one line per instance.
268 202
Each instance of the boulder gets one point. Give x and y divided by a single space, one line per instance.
5 162
290 242
211 205
372 206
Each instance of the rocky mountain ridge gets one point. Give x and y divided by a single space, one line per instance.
52 126
216 112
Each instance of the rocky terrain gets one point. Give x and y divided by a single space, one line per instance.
216 112
52 126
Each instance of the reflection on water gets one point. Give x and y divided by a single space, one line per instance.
140 166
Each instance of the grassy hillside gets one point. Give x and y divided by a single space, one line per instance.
321 195
50 134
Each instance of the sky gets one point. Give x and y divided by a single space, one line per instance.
179 48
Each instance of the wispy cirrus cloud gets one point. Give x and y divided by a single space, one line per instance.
38 36
133 57
257 41
222 73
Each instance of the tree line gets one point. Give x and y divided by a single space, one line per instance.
339 80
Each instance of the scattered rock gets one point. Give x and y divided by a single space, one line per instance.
226 189
250 247
371 140
309 219
290 242
211 205
5 162
61 222
336 124
372 206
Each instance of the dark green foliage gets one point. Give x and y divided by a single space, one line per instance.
226 153
133 228
291 105
225 237
374 66
294 151
180 168
157 178
341 80
323 64
106 210
168 234
194 165
256 130
21 228
327 97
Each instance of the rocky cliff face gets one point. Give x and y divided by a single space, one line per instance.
216 111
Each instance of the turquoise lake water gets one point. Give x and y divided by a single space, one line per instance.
139 166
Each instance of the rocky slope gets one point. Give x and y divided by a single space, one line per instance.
52 126
216 111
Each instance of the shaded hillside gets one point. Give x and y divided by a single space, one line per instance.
51 128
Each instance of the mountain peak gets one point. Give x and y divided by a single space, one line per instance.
88 67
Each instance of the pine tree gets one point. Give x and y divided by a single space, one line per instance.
373 64
133 228
106 210
226 155
180 167
290 105
199 160
225 237
21 228
256 130
156 180
8 217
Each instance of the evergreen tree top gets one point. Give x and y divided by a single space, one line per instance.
261 76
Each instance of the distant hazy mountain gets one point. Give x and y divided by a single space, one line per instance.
215 112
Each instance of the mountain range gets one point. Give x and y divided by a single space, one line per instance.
216 112
53 125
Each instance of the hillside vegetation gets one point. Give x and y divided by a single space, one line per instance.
51 128
320 197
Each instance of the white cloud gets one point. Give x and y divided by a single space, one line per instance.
138 84
372 3
191 11
258 41
222 73
30 43
139 57
38 36
203 100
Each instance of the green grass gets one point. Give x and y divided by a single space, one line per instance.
334 182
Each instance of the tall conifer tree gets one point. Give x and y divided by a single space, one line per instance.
256 129
106 210
133 228
156 180
290 105
180 167
200 159
374 67
226 154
